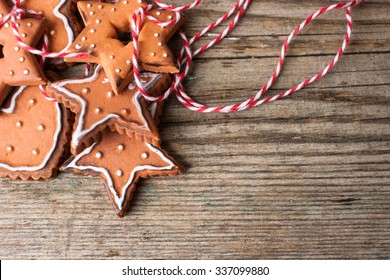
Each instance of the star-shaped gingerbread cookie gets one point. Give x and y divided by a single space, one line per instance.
96 106
121 161
19 67
62 24
154 53
61 21
104 21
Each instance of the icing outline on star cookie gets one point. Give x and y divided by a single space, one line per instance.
56 11
119 201
79 132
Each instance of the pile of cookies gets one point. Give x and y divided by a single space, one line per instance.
100 125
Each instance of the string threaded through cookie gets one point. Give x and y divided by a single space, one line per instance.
17 12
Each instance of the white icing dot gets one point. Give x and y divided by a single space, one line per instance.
165 55
26 72
158 13
100 7
113 10
160 44
128 62
35 152
119 173
145 155
93 30
121 147
156 34
112 56
125 112
170 17
11 73
1 15
98 110
153 54
41 128
19 124
124 2
139 1
93 45
32 101
117 70
22 59
6 25
86 90
52 33
89 5
24 35
18 25
84 38
17 49
10 148
29 24
99 155
78 46
98 21
110 94
91 13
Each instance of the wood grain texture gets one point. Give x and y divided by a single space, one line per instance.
306 177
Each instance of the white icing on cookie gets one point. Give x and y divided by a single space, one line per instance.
56 137
153 109
79 132
119 200
65 20
12 105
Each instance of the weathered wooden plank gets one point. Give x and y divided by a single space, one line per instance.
305 177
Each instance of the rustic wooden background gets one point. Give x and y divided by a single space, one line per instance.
305 177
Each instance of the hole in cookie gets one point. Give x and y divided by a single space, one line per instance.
125 37
1 51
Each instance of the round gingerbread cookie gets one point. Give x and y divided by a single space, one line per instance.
35 135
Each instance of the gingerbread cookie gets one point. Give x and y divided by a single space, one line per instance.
99 38
35 135
121 161
62 24
154 53
104 21
19 67
96 106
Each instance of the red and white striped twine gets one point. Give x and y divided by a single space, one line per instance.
45 47
177 9
187 55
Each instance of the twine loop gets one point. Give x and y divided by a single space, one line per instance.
187 55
